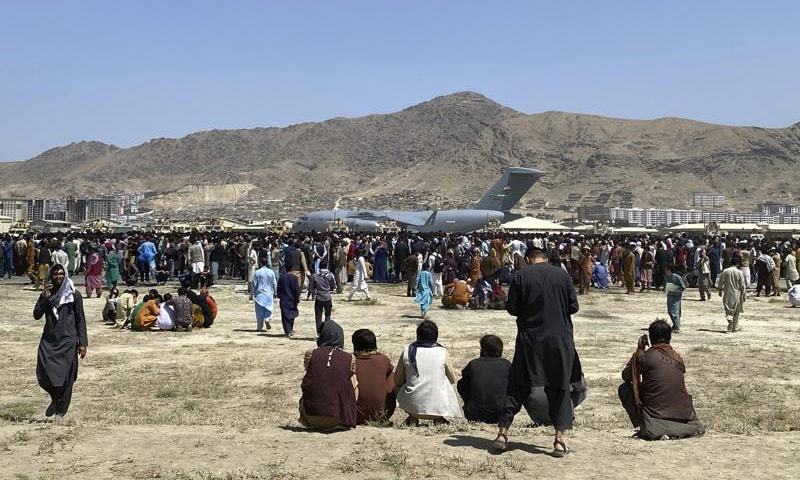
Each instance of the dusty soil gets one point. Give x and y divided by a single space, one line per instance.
222 403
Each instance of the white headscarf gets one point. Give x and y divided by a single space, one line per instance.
65 294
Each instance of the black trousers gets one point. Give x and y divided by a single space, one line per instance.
60 398
559 406
319 307
411 286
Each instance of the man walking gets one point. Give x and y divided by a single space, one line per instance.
704 276
320 286
732 286
264 286
543 298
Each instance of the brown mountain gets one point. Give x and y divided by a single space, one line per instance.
453 146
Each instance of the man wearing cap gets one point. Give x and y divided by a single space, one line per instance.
543 298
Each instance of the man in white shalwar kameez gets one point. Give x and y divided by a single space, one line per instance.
359 278
731 288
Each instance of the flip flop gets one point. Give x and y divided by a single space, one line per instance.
500 445
560 453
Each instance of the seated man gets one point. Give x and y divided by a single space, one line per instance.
497 300
654 393
457 294
600 275
110 308
794 295
481 294
125 304
147 315
185 277
484 382
162 275
424 379
202 315
204 279
374 371
212 308
330 386
166 316
183 310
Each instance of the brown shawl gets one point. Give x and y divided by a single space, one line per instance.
666 351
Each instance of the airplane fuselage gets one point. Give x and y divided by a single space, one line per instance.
461 220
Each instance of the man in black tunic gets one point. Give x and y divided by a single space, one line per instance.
63 341
542 297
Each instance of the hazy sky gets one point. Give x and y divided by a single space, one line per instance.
125 72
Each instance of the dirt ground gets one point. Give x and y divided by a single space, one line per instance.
222 403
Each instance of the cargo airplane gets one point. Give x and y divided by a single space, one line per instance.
494 206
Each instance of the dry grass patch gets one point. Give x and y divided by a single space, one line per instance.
267 471
20 410
379 454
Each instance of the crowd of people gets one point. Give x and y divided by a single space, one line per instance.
543 275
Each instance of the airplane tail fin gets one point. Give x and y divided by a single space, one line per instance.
514 183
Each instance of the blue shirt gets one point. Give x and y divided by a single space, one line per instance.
147 251
264 285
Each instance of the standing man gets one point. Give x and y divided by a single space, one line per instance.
320 286
411 267
714 255
732 286
196 260
704 275
9 254
44 260
627 262
543 298
289 295
340 261
63 340
674 285
264 285
790 270
147 258
436 264
72 252
776 272
217 257
20 262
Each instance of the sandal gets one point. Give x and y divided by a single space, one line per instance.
501 442
560 453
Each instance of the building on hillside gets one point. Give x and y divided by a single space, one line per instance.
708 200
82 210
15 208
773 208
36 209
593 213
46 209
656 217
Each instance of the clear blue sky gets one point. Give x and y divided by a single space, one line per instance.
125 72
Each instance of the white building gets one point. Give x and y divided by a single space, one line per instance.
14 208
703 199
654 217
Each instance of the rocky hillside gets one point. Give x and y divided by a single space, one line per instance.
452 146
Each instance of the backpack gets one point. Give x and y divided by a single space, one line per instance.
438 264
